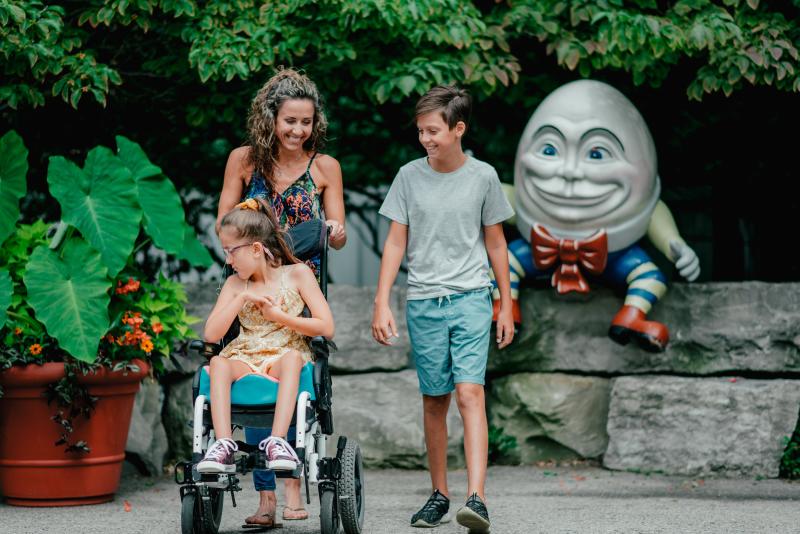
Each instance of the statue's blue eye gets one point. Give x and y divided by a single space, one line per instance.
549 150
598 153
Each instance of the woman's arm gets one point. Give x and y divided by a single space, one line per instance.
321 321
233 183
333 199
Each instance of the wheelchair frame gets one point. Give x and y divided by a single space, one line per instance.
340 479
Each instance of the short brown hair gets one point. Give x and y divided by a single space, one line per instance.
454 103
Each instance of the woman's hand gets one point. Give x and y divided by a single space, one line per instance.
337 233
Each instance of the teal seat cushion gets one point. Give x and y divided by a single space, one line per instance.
256 390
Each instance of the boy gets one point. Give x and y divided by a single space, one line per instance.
446 212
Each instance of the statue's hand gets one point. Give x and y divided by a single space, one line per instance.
685 259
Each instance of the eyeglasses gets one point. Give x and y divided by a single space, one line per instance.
230 250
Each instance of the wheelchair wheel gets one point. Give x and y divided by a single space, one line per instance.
328 515
351 489
190 514
212 510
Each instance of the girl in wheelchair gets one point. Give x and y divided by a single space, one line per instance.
268 292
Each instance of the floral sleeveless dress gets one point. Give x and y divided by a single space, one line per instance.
300 202
261 342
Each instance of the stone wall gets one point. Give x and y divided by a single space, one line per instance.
720 399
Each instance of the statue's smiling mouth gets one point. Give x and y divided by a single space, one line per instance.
578 193
575 200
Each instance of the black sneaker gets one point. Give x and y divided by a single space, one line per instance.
434 513
474 516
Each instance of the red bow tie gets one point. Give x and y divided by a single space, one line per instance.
590 254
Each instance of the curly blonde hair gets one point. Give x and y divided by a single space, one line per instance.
286 84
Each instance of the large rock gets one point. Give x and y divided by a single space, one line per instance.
178 415
358 351
691 426
383 412
147 439
715 327
551 416
352 313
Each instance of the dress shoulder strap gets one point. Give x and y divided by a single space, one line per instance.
283 278
308 168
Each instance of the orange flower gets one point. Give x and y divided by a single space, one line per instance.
110 338
17 331
131 286
35 349
158 328
147 346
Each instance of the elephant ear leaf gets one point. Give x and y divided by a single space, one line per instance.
101 201
13 170
69 293
193 250
161 205
6 292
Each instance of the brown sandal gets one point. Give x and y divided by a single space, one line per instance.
294 514
260 520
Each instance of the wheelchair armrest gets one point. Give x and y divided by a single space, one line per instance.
322 347
205 348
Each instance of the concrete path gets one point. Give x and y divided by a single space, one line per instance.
522 500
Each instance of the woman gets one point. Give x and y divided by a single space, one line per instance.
282 164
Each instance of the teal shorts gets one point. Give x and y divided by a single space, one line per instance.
450 339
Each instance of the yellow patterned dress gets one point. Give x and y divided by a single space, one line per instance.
261 342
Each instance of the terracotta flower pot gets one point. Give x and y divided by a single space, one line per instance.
34 471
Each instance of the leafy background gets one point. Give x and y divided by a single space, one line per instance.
717 82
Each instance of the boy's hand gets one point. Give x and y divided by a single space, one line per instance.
383 327
505 327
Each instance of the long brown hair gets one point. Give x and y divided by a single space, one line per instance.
286 84
261 226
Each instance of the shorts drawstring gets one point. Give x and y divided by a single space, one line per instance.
441 299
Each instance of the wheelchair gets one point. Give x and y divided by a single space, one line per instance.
339 478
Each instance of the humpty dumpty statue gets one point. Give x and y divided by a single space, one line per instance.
586 191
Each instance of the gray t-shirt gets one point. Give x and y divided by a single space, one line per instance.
445 214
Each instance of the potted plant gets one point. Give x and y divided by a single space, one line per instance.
81 321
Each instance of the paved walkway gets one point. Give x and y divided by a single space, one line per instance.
522 500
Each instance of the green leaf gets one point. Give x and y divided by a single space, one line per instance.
163 215
193 250
6 292
407 84
13 170
70 296
134 158
101 201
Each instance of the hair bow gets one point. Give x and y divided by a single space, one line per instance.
249 204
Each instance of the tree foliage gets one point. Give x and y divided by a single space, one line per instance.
391 49
178 76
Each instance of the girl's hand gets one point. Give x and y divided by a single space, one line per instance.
249 296
337 230
383 327
271 308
